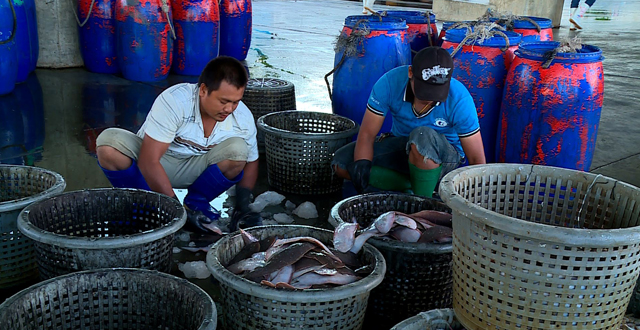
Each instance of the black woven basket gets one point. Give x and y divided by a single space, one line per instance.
120 299
267 95
300 146
419 275
102 228
634 302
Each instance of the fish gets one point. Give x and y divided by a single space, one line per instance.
405 221
213 228
325 260
383 223
362 238
196 248
436 217
405 234
283 275
251 246
310 279
246 265
437 234
280 242
284 257
349 259
266 243
344 236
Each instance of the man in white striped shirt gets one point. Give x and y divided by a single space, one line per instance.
196 136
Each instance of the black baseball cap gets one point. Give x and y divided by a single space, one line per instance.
432 68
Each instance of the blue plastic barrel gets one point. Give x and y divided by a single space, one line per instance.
482 68
197 23
525 26
32 21
235 28
98 35
551 116
443 31
8 48
421 27
22 40
385 47
144 39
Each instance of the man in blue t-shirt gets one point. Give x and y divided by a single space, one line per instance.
435 126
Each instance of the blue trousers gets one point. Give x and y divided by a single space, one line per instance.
576 3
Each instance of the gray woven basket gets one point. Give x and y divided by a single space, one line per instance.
19 187
114 299
300 146
251 306
102 228
268 95
436 319
539 247
418 275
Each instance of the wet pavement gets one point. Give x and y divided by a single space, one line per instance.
52 121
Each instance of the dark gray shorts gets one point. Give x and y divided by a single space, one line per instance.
393 152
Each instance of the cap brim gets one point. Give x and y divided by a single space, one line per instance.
431 92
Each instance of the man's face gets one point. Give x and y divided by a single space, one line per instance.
219 103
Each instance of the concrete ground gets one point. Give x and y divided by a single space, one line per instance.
293 40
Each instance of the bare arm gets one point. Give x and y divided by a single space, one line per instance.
149 164
473 149
250 175
371 124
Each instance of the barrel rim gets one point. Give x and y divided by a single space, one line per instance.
262 125
569 236
373 23
457 35
543 22
101 243
16 204
411 16
537 51
362 286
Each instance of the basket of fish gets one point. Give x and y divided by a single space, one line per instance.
414 235
435 319
286 277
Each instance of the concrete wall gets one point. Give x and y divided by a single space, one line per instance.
460 10
58 34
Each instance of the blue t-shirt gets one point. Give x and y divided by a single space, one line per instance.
454 118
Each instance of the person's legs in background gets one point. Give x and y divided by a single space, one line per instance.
117 151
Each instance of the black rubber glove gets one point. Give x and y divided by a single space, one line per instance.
242 216
196 221
359 172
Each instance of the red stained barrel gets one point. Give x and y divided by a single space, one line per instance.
197 23
482 68
144 39
551 116
422 31
8 48
98 35
235 28
528 26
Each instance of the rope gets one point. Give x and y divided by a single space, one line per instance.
15 25
428 14
165 9
565 46
481 33
585 197
86 19
348 46
375 13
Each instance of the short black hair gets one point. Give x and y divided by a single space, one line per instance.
223 68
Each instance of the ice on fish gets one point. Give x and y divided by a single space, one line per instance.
282 218
306 210
265 199
176 249
192 244
195 269
289 205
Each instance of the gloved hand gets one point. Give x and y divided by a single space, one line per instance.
197 222
359 172
242 216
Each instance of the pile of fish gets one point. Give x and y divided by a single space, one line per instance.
426 226
295 263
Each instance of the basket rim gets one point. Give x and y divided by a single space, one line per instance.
406 247
17 204
261 125
247 287
211 314
425 316
93 243
604 238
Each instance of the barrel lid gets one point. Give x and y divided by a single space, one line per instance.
458 35
447 25
544 23
412 17
377 23
538 51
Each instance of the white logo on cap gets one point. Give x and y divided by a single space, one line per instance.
435 71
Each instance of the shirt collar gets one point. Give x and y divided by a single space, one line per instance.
196 104
408 93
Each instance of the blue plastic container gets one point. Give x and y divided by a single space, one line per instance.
8 48
529 31
483 68
421 28
197 24
144 41
98 36
22 40
235 28
384 48
32 21
551 116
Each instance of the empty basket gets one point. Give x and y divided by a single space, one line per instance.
120 299
19 187
300 146
418 275
539 247
102 228
251 306
436 319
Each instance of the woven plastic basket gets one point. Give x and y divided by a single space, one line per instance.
300 146
267 95
418 275
102 228
19 187
539 247
251 306
119 299
436 319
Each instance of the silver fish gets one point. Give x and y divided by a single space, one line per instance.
312 240
405 234
344 236
246 265
362 238
310 279
406 221
384 222
283 275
